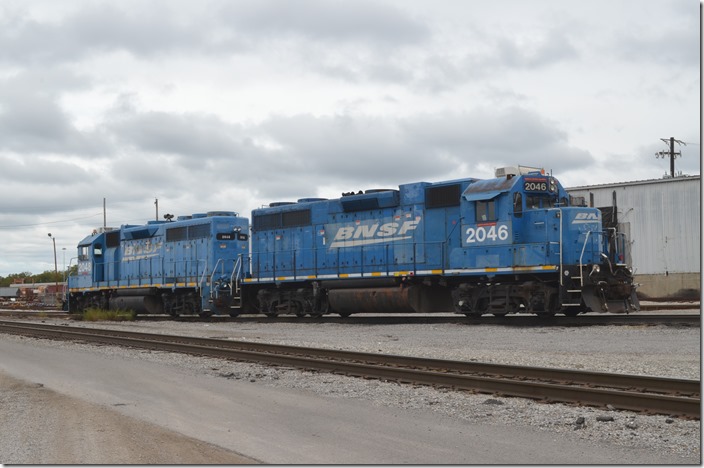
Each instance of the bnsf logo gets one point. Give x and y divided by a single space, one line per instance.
586 217
376 233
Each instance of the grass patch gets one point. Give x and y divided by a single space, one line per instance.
100 315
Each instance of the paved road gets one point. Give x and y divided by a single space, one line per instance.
290 427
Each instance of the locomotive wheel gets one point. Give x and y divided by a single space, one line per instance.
552 309
482 307
297 309
571 311
344 314
272 309
234 314
322 308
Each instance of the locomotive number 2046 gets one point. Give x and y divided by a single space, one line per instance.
486 233
530 186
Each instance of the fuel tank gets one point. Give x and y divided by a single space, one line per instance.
410 299
139 304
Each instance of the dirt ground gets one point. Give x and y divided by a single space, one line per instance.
40 426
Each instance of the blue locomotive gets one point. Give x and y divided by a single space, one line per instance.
188 266
516 243
499 246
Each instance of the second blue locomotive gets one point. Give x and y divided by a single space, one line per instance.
514 243
188 266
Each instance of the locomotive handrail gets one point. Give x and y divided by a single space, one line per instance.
620 243
581 256
212 275
559 215
562 220
235 277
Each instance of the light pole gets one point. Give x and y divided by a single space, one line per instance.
56 267
63 289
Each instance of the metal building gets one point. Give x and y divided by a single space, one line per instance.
663 219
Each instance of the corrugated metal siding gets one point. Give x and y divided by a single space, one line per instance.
664 218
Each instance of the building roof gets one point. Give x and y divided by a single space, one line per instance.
638 182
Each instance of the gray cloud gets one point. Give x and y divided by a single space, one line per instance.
96 28
287 155
198 135
547 49
32 120
668 47
221 28
328 20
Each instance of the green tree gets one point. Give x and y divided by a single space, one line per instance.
48 276
24 277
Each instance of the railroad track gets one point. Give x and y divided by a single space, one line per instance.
391 319
657 395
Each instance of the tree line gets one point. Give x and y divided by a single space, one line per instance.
49 276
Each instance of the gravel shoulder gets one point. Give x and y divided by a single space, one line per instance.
648 350
40 426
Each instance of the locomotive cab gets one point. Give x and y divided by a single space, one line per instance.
540 254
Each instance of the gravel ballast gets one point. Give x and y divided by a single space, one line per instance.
646 350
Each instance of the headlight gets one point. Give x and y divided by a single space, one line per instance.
595 269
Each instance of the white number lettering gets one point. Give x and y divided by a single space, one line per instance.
481 233
492 233
470 235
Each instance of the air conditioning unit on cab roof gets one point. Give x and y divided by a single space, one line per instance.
516 170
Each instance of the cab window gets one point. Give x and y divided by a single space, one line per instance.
83 252
536 202
518 204
486 210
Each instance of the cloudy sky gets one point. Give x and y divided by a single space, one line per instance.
232 104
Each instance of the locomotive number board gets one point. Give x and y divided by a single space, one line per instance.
535 185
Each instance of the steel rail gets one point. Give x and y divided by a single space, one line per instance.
647 383
428 371
510 321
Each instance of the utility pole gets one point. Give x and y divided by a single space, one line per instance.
671 153
156 203
56 268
